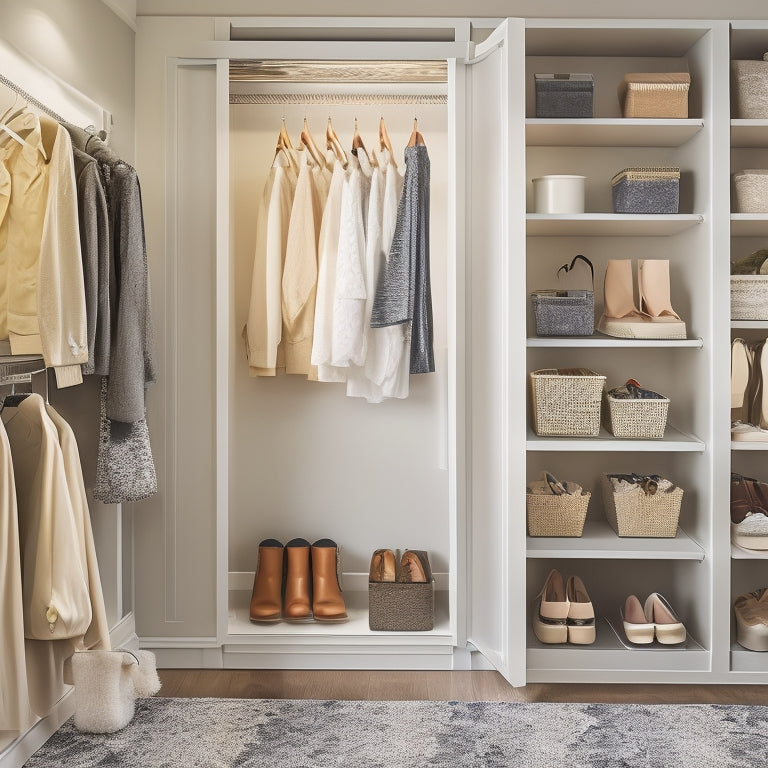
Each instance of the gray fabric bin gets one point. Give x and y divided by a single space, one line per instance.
749 89
564 313
564 95
403 606
646 190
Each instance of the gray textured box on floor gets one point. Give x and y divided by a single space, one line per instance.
646 190
401 606
564 95
749 89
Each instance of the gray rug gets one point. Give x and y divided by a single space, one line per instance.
251 733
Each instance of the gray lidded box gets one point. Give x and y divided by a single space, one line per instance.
646 190
401 606
564 95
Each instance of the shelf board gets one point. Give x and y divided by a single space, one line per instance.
749 224
608 653
737 553
749 133
609 132
598 340
600 542
738 445
673 440
744 660
610 224
750 324
355 632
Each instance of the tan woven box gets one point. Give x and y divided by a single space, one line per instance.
655 94
395 606
638 418
749 89
636 514
566 402
749 297
556 515
750 190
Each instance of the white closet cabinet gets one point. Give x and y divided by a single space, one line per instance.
241 459
247 459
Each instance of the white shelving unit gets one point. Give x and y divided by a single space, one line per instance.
610 224
599 341
609 132
674 440
749 224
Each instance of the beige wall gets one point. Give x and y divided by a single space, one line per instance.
609 9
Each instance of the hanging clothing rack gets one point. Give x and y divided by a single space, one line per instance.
30 99
339 99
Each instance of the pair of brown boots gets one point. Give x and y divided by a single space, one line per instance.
412 567
297 582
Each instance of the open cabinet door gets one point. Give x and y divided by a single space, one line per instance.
496 297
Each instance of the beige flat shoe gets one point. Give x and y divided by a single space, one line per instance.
550 619
636 627
655 301
581 614
669 628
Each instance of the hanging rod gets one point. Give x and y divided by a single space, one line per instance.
32 100
338 99
11 369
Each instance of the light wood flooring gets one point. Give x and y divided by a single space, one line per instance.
434 686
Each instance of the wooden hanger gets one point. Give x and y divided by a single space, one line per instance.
286 139
309 143
416 138
384 142
332 142
357 140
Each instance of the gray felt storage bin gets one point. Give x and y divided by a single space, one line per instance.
750 191
403 606
564 313
749 89
564 95
646 190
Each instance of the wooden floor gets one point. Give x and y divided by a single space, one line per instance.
435 686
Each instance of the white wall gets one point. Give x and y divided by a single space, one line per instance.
609 9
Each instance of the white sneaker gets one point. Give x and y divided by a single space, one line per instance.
748 433
751 532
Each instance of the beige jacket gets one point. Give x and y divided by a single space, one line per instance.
15 713
42 297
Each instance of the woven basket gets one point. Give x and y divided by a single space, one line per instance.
636 514
636 418
750 191
749 89
655 94
749 297
396 606
566 404
556 515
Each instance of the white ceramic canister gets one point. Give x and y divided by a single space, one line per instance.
559 194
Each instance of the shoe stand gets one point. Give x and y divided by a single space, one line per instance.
749 232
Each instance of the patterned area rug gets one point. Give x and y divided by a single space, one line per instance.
251 733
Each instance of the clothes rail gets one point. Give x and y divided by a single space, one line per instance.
23 365
36 103
338 99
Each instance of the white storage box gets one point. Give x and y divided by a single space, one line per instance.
750 191
559 194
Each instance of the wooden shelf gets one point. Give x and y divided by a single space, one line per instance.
674 440
600 542
599 341
610 224
609 132
749 133
749 224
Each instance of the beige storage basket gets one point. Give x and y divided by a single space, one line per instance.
749 297
638 418
556 515
750 191
749 89
655 94
566 403
636 514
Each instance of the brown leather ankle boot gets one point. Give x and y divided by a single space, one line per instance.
327 601
268 584
297 605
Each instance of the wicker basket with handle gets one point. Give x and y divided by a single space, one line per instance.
635 513
638 418
556 515
566 401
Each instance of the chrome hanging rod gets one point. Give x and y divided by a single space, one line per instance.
32 100
338 99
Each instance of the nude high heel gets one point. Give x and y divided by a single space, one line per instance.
297 605
268 583
327 600
741 372
637 627
621 317
667 624
655 300
550 620
581 613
